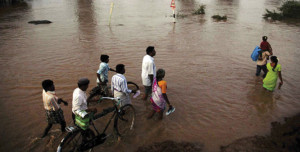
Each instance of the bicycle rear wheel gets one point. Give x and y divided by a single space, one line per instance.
74 140
124 120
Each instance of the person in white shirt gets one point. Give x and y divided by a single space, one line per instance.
119 86
148 71
51 104
79 102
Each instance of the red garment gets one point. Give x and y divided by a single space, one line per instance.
265 46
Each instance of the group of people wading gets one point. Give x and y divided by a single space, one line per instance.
271 70
152 80
153 83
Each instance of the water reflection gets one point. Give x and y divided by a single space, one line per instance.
264 101
12 13
86 22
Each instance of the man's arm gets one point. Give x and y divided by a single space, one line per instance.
280 77
125 89
101 70
151 78
98 76
54 104
60 100
110 69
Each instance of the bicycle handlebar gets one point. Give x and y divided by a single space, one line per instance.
117 99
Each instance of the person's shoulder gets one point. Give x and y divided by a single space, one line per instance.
162 82
76 91
102 64
279 65
114 76
117 75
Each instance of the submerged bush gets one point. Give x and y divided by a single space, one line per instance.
273 15
200 10
219 18
178 15
289 9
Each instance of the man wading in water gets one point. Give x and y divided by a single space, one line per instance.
119 86
51 104
79 102
148 71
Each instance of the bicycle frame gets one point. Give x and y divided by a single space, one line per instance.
118 100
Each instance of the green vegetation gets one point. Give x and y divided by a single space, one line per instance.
289 9
200 10
219 18
178 15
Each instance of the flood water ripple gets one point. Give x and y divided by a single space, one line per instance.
211 78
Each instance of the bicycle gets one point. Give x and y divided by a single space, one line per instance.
79 139
98 91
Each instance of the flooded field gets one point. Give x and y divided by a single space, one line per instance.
211 78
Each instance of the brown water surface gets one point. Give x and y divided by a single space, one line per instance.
211 78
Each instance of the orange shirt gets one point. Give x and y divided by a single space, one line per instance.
163 85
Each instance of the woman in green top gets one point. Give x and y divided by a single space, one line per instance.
274 71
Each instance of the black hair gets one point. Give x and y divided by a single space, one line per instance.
120 67
46 84
264 38
149 49
104 57
275 60
160 74
82 82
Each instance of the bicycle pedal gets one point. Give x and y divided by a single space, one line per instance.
70 129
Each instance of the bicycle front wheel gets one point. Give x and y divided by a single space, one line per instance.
124 120
74 141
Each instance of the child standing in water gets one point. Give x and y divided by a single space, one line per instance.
51 102
159 96
274 71
102 73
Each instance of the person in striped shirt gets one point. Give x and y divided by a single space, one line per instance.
51 104
119 86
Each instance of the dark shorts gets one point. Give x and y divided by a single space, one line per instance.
148 90
104 88
55 117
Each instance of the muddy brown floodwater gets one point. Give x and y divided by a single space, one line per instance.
211 78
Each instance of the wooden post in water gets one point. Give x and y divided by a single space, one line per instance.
111 10
173 7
